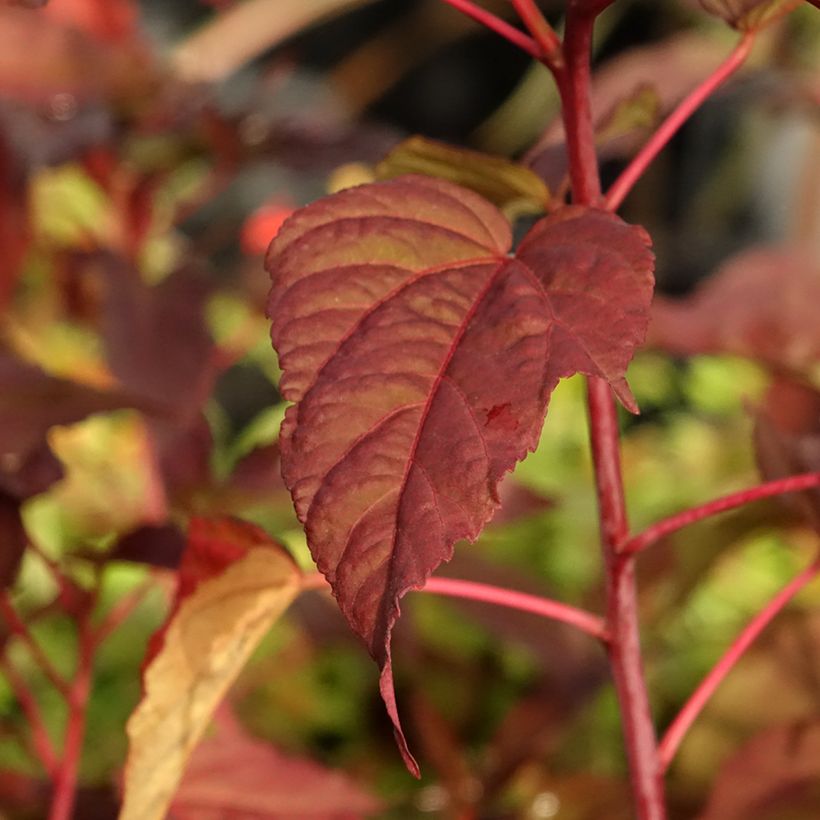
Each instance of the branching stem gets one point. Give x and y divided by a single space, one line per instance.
693 707
780 486
499 26
542 32
20 630
672 124
622 625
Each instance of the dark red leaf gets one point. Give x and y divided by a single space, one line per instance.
761 304
421 358
160 546
157 338
775 775
232 776
787 440
12 539
31 402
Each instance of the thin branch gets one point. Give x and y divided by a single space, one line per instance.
674 523
499 26
485 593
545 607
670 126
20 630
693 707
122 610
65 782
40 740
542 32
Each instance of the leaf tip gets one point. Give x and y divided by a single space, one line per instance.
388 694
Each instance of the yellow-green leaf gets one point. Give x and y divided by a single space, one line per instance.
205 644
515 189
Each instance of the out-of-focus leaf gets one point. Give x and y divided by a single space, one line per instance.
761 304
159 546
40 58
775 776
748 15
12 539
671 68
31 402
112 21
787 440
422 357
232 776
515 189
157 338
234 583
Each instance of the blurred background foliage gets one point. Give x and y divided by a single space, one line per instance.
148 152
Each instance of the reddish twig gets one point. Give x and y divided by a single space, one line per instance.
20 630
670 126
674 523
122 610
545 607
40 740
623 648
65 781
499 26
693 707
542 33
486 593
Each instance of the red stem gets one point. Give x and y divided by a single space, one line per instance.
20 630
547 608
670 126
624 649
499 26
674 523
472 591
693 707
121 611
65 783
40 740
624 646
542 32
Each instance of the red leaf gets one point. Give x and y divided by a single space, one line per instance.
232 776
787 440
421 358
761 304
774 775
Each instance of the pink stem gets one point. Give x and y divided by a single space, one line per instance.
472 591
20 630
40 740
622 623
121 611
547 608
670 126
624 647
65 783
693 707
674 523
541 31
499 26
